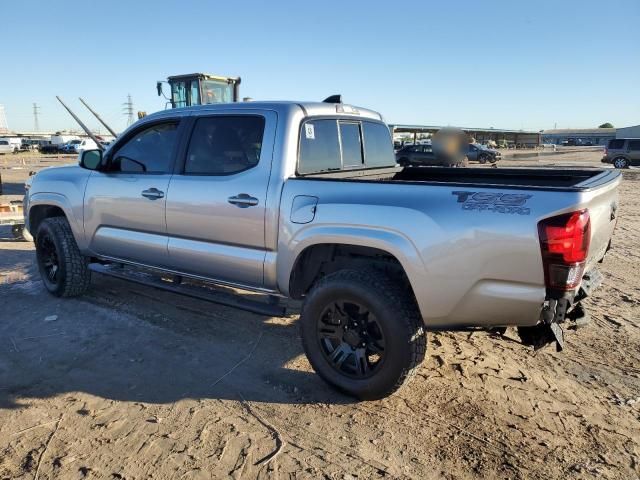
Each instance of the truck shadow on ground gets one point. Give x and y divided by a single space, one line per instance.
129 342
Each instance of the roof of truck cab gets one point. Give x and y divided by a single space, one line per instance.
284 107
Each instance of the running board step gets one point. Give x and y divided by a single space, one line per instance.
193 291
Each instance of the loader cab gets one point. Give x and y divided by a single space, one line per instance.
200 89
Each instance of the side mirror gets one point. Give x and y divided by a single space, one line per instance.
91 159
159 88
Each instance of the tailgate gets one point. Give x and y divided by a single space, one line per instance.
602 201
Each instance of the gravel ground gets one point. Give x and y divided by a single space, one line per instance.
128 382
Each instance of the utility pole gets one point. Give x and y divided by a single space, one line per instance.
36 112
128 110
3 120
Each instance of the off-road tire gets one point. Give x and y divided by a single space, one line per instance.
620 162
74 275
395 310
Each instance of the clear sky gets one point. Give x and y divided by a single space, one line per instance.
506 64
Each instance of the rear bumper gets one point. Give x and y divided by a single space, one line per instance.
569 306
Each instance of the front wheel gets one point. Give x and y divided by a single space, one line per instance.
362 333
483 159
620 162
64 271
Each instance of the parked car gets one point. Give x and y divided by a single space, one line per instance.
14 142
423 155
49 148
6 147
28 145
70 146
622 152
479 153
305 200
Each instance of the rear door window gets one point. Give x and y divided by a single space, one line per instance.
319 147
616 144
224 145
634 145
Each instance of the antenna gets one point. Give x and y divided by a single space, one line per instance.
36 112
3 120
128 110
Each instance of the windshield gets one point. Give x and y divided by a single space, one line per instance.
214 91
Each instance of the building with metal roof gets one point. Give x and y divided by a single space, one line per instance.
628 132
579 136
528 138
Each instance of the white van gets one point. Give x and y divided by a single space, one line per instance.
85 144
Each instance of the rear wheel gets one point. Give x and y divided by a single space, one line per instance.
362 333
620 162
64 271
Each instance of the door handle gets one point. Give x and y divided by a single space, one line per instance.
152 194
243 200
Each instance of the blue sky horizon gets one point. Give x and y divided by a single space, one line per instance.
501 64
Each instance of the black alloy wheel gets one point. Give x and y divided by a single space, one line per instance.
351 339
48 259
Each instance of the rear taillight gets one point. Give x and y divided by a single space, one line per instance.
564 241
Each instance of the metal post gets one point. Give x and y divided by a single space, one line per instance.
98 117
82 125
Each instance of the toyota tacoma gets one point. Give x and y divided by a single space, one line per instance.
305 201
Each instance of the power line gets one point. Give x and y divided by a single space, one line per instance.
36 112
128 110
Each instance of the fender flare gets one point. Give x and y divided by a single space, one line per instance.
62 202
392 242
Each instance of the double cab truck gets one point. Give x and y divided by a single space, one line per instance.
305 201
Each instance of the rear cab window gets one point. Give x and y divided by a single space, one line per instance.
334 144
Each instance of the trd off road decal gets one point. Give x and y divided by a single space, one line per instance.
494 202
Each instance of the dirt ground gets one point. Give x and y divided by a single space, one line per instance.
129 383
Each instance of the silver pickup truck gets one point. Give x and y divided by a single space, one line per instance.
304 200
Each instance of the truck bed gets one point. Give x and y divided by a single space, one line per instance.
574 180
